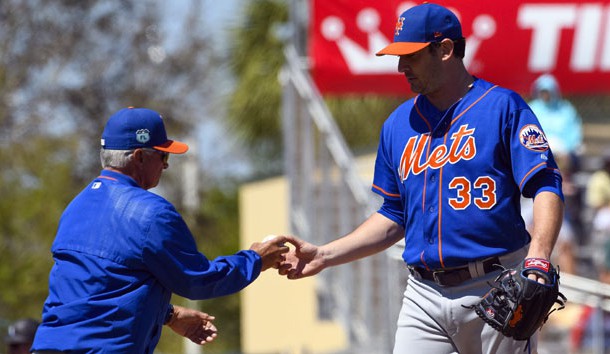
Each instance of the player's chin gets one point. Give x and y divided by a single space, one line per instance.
415 86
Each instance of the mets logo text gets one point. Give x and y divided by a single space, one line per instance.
461 147
532 137
399 24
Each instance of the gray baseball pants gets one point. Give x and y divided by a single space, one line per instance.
433 319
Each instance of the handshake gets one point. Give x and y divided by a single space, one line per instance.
297 262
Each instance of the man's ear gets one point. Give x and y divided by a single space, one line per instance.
446 48
138 155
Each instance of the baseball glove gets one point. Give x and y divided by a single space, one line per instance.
517 306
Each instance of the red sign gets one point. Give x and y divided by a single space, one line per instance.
509 43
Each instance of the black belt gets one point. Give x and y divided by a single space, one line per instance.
454 276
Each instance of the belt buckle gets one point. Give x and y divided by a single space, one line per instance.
435 276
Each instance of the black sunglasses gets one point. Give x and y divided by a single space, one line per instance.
164 155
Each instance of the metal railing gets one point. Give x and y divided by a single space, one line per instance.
328 199
593 294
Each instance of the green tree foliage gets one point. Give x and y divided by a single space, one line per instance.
256 60
65 66
360 118
217 233
254 110
36 183
215 228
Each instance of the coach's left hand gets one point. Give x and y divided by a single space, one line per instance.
194 325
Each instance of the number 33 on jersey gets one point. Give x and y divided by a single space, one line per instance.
456 173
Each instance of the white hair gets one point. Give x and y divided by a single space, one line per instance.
118 159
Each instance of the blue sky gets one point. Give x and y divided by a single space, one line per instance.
217 15
219 153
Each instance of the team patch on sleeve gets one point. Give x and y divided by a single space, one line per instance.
532 137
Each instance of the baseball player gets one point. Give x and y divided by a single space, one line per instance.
451 166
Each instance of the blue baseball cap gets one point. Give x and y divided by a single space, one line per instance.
132 128
421 25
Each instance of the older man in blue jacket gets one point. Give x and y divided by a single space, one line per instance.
121 251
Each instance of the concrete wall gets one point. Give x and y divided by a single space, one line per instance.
279 315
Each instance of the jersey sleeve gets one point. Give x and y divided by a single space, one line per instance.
385 178
171 255
543 181
529 148
392 209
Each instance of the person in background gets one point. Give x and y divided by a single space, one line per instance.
562 126
597 196
597 200
120 252
20 336
559 119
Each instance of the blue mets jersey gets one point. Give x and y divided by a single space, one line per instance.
458 175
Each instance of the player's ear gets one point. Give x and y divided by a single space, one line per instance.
446 48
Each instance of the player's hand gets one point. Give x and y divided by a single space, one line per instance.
194 325
303 261
534 275
272 251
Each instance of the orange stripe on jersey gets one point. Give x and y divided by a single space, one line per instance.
421 115
440 218
386 193
440 179
423 198
423 261
532 171
473 103
440 206
106 177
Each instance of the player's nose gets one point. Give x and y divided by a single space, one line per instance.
403 66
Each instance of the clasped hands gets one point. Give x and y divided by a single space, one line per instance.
302 260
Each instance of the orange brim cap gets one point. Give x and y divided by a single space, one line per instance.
173 147
402 48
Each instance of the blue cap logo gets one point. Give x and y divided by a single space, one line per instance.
143 136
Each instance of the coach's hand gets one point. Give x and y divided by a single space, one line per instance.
194 325
272 251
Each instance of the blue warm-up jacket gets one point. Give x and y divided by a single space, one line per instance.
119 254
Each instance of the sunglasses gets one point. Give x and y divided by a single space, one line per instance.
164 155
